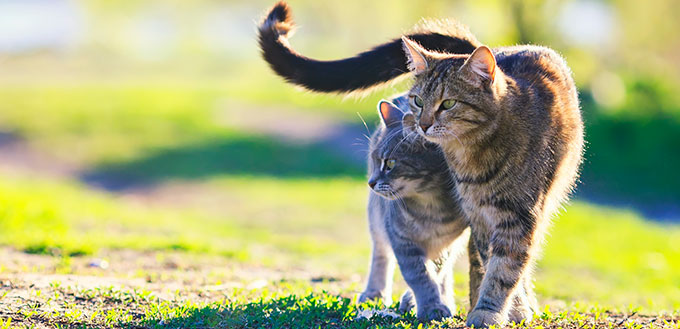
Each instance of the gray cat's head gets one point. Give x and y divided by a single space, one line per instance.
402 164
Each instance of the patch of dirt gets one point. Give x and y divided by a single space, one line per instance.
43 290
119 288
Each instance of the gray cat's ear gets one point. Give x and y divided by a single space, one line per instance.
390 114
481 64
415 56
410 129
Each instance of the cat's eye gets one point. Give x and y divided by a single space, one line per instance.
449 103
418 101
389 164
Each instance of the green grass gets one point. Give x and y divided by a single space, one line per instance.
213 187
255 213
127 127
286 305
98 122
593 254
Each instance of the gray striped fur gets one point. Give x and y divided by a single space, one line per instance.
414 215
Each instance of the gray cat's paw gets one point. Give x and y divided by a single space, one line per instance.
434 311
374 295
408 302
483 318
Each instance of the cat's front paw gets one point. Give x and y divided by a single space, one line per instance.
435 311
374 295
483 318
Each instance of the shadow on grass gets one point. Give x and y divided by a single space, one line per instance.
238 155
631 160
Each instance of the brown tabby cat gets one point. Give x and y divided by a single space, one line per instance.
509 123
510 127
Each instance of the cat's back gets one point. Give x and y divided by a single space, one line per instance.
532 64
543 84
544 102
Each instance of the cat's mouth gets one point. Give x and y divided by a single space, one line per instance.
436 133
386 191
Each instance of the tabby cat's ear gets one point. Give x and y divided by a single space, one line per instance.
390 114
415 57
481 64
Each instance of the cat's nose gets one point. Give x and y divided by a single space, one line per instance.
371 183
424 126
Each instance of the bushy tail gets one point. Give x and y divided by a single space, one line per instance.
363 71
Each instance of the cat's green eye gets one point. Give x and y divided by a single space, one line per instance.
418 101
389 164
449 103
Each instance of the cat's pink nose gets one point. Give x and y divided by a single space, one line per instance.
425 126
372 183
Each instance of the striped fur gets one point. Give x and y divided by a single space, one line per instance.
514 141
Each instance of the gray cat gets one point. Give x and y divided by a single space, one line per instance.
414 215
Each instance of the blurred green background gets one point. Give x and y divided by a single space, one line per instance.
156 125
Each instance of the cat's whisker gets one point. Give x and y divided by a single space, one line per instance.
401 199
398 198
403 139
456 137
368 131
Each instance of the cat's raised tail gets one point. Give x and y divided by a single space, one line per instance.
361 72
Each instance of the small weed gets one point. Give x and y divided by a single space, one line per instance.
6 324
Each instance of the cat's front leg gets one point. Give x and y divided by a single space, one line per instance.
421 276
445 277
379 285
509 247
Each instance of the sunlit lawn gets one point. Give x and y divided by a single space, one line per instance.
596 255
233 196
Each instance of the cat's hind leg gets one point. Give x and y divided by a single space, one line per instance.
407 301
421 276
476 271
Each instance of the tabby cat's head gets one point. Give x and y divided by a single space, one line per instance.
401 165
455 97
